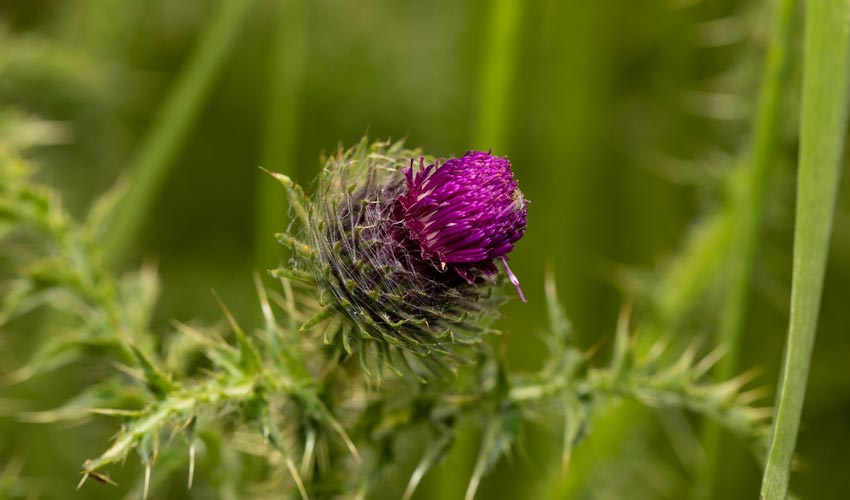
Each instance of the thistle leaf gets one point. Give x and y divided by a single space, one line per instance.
157 381
297 198
500 434
251 362
433 454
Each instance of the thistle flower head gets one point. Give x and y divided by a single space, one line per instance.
402 254
464 212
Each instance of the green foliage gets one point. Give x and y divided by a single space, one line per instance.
179 112
373 303
648 135
311 408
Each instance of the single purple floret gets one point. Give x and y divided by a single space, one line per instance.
465 213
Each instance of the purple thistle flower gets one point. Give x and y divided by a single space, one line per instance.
398 251
465 213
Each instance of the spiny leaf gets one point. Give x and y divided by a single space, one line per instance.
559 325
575 418
271 434
433 454
113 393
501 432
59 351
251 361
295 245
169 461
100 478
20 298
319 318
139 291
317 409
158 382
292 274
621 355
98 216
297 198
222 355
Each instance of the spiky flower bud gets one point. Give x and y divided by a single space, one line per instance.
402 248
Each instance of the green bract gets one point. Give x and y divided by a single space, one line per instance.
378 297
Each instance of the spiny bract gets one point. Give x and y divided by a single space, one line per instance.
401 248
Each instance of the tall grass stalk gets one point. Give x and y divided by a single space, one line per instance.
823 127
286 67
171 128
749 206
498 70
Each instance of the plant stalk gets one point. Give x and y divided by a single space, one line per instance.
170 130
498 70
823 128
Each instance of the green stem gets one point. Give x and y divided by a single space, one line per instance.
750 200
158 415
749 203
279 144
173 124
823 127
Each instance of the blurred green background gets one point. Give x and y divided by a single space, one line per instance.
624 119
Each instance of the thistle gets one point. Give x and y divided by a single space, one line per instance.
380 270
465 213
402 248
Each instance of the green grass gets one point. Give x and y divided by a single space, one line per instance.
589 99
173 124
823 127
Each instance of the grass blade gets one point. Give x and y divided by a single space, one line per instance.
171 128
287 62
497 74
751 199
826 94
